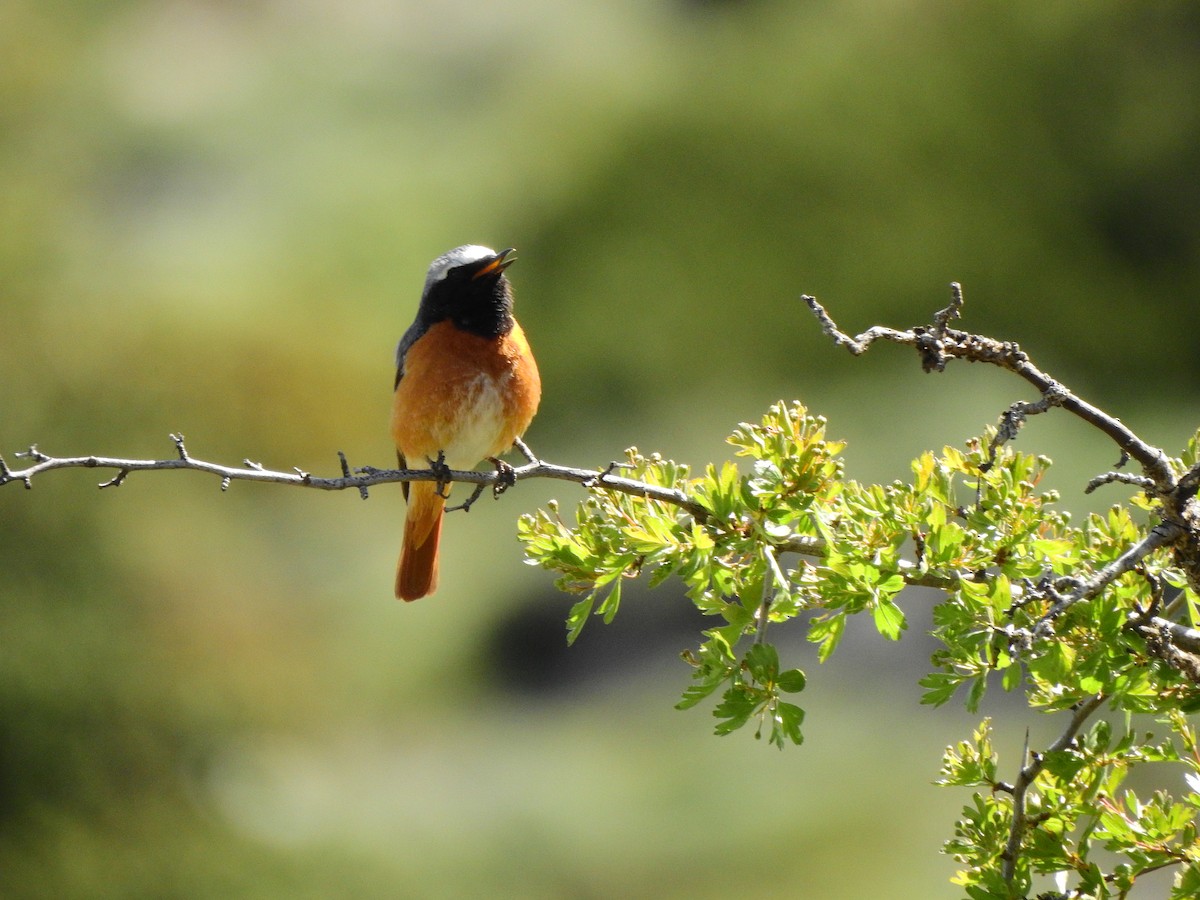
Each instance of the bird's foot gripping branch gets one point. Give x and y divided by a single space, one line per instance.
1080 618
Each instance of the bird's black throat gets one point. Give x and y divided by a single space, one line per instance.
480 306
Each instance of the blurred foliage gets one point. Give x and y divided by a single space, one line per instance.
217 218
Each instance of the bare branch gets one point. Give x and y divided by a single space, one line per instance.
856 345
1129 478
1179 510
360 479
939 344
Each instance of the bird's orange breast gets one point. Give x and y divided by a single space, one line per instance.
464 395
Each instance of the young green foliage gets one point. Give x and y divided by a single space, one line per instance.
783 534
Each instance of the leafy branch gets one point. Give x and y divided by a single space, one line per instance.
1078 618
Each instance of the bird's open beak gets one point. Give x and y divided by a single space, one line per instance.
497 263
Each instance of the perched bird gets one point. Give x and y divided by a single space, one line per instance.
467 387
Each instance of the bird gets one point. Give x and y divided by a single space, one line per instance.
467 387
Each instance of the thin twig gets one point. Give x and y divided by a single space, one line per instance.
776 582
1162 535
1029 772
1140 481
359 480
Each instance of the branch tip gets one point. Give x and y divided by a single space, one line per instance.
1141 481
32 453
941 318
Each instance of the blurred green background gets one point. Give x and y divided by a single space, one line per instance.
216 217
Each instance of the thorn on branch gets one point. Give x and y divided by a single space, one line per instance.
598 479
116 481
178 440
362 488
1030 771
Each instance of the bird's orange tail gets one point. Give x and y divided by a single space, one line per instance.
417 573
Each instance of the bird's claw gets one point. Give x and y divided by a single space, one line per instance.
506 476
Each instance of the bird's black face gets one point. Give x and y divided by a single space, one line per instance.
475 295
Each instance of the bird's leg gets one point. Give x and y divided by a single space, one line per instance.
442 471
466 505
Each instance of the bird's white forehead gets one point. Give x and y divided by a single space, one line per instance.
459 256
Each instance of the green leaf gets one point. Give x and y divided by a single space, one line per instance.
828 633
976 692
736 708
1011 679
611 603
1187 883
763 662
939 687
578 617
792 681
889 620
704 684
786 725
